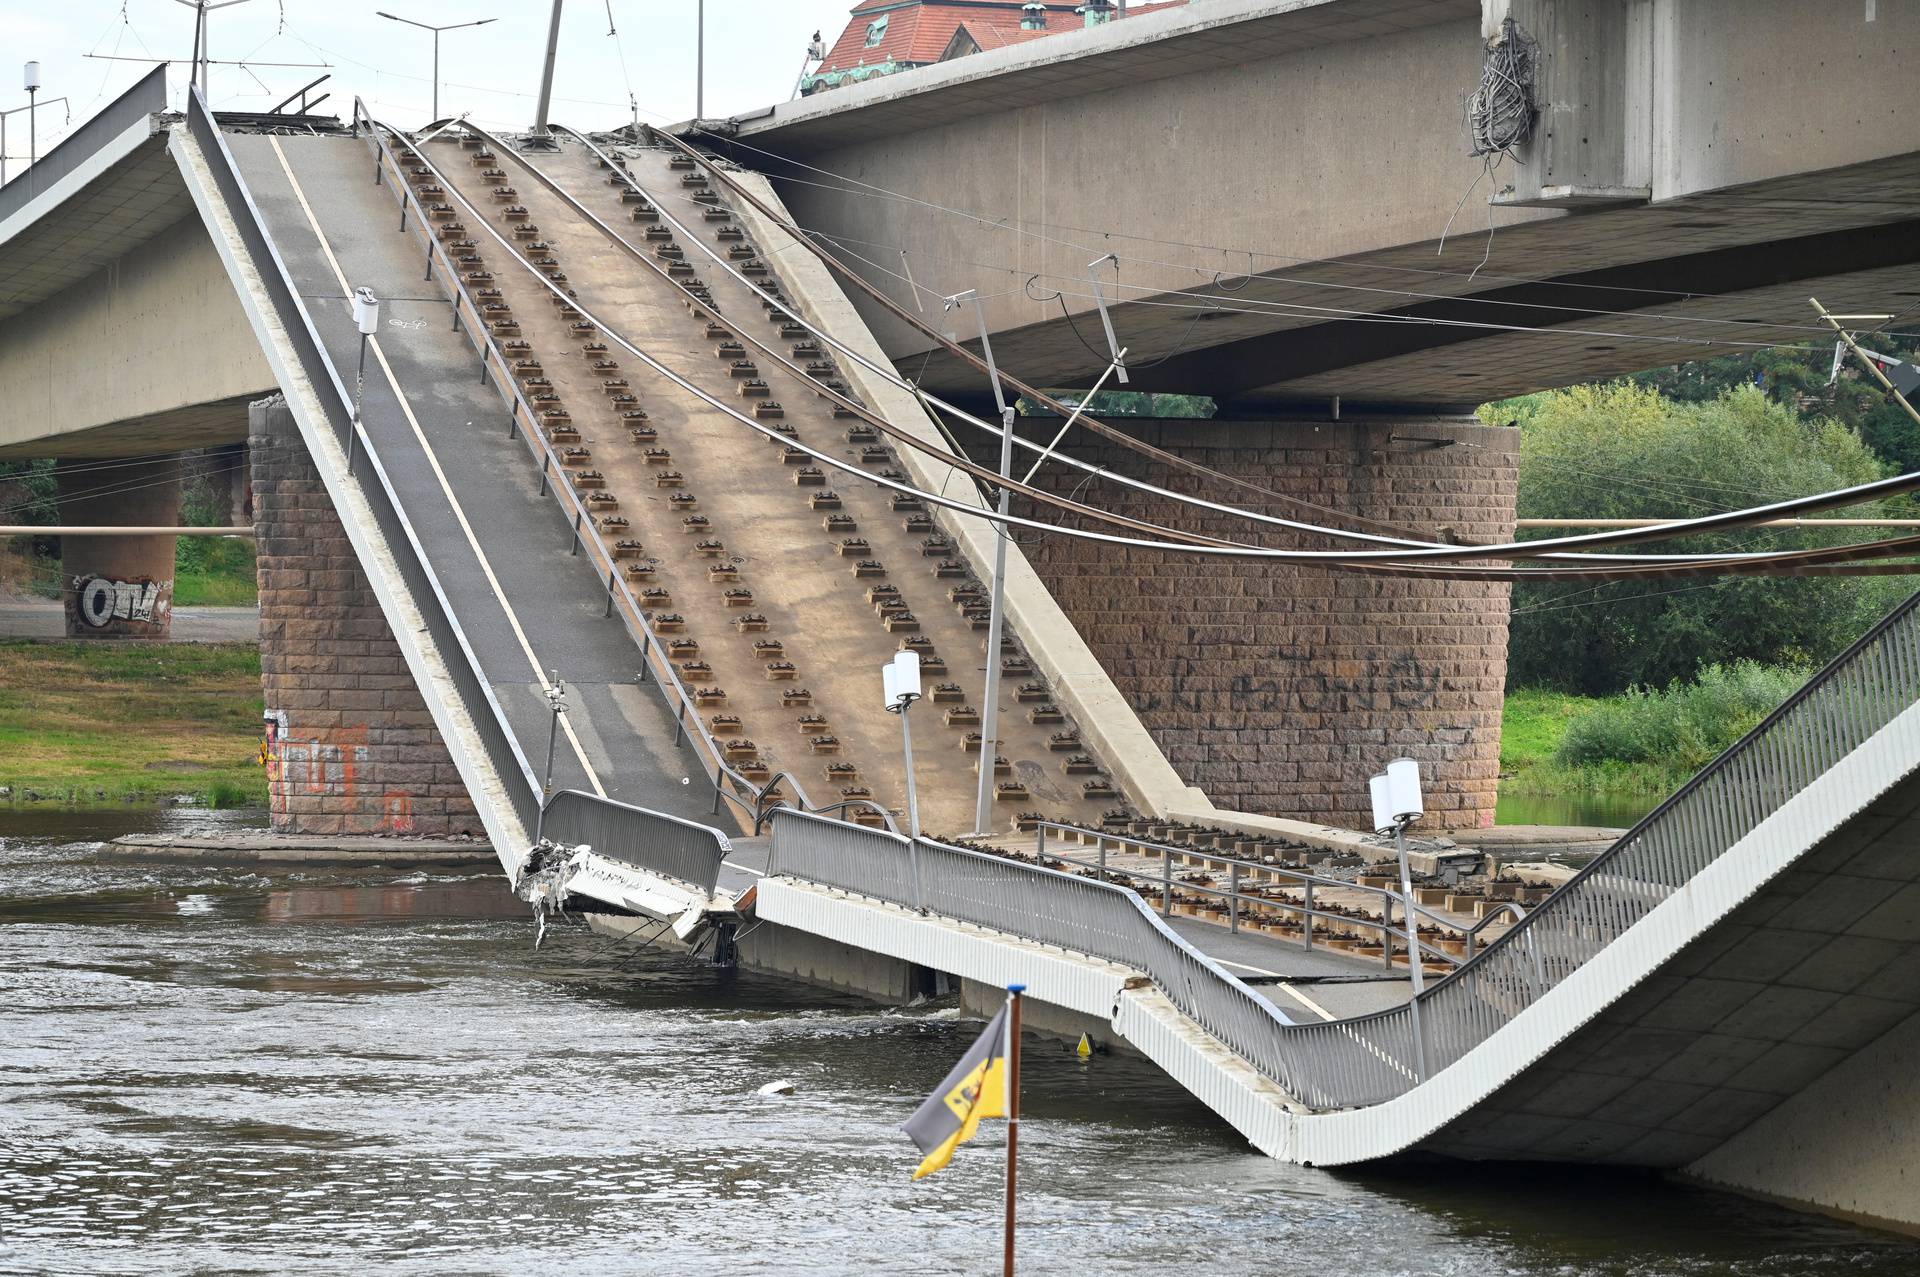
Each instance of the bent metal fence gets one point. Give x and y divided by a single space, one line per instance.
1371 1059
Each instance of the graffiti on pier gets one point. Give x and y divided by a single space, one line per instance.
100 601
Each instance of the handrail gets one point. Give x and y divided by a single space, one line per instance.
585 530
1233 893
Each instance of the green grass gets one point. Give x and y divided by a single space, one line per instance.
1531 734
108 722
199 589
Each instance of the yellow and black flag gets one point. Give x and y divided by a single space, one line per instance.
975 1089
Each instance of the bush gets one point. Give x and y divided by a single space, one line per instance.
1684 727
1625 451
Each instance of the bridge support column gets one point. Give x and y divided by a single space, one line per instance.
352 748
115 586
1277 689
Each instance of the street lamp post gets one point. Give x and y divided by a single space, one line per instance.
556 693
1397 804
33 118
700 60
901 677
425 26
366 318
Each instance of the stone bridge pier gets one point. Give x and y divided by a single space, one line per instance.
1280 689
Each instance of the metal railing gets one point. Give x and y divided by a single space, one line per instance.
1243 899
668 845
752 800
1839 709
1371 1059
1069 911
652 840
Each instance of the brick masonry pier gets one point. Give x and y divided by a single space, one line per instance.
1280 689
352 747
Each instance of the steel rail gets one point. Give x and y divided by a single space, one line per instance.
1380 562
585 530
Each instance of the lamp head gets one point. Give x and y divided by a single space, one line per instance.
366 311
1403 790
33 77
1382 804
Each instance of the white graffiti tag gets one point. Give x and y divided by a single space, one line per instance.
102 601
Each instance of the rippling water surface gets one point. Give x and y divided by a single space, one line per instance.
243 1070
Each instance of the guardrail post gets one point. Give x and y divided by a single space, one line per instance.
1103 857
546 460
1166 884
429 274
1306 917
679 722
456 312
612 580
484 352
403 213
1233 896
646 652
513 421
1040 842
575 548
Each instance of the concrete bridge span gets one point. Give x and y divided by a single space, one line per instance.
1278 178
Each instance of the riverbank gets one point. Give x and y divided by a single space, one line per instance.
1537 789
127 722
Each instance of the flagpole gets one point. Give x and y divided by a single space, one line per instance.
1013 1112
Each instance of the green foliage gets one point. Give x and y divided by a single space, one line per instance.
1626 451
27 492
1684 727
1127 403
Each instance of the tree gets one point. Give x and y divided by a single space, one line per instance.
1626 451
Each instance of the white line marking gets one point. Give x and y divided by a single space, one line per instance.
1308 1003
493 582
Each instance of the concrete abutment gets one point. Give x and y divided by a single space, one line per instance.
352 747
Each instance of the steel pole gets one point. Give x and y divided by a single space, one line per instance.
3 146
996 614
546 73
913 811
1414 965
554 693
33 127
1013 1122
436 73
359 388
700 60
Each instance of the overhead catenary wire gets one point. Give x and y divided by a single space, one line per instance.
1834 558
829 260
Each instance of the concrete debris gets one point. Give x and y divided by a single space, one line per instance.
781 1087
543 878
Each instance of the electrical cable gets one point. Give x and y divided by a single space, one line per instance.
911 319
1380 561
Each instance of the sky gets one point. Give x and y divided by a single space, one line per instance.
754 52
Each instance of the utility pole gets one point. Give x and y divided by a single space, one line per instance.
546 73
996 615
201 53
33 146
451 26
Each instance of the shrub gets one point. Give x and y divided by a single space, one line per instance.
1687 725
1625 451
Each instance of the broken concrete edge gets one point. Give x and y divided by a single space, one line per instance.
1106 721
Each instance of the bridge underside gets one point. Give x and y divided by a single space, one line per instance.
1287 191
1802 978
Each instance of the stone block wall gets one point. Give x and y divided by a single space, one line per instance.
1280 689
352 747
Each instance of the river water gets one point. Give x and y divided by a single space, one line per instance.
227 1070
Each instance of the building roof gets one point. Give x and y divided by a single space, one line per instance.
909 33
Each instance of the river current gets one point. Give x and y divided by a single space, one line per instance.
240 1070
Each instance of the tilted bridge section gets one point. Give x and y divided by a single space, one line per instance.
1677 1004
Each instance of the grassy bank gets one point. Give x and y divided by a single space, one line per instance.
1531 734
111 722
1640 742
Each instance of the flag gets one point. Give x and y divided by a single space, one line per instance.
975 1089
